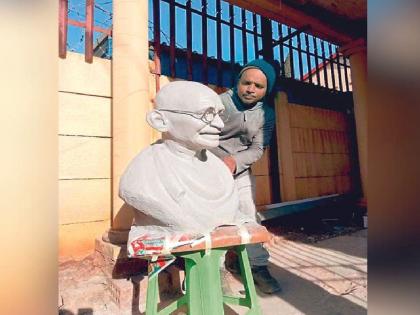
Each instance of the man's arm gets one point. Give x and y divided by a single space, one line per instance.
244 159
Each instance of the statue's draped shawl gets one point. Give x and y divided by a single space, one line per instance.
177 192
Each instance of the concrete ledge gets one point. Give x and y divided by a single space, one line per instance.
284 208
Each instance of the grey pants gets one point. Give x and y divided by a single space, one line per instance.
245 183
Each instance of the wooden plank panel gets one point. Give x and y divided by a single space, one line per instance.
78 240
322 186
331 119
294 115
318 147
263 190
340 164
304 140
326 142
327 165
329 185
309 140
297 115
341 122
301 188
299 163
332 135
334 120
318 163
294 139
84 115
307 116
84 157
312 187
284 144
346 142
310 164
297 139
309 119
341 143
323 167
335 167
262 166
317 119
84 200
320 118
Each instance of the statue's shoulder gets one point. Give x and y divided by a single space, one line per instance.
215 162
143 160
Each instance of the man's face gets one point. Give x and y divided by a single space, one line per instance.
252 86
193 132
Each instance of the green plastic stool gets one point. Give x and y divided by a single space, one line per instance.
204 294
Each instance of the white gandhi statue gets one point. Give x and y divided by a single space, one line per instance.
176 184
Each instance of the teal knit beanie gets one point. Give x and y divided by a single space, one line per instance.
266 68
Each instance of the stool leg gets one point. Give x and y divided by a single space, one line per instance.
246 274
152 295
204 292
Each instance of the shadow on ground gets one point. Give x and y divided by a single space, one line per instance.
320 224
300 296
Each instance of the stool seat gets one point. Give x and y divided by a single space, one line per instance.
204 294
228 236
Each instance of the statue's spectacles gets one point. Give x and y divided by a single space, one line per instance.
208 116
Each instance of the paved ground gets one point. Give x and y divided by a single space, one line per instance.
324 277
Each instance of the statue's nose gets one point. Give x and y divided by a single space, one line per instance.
217 122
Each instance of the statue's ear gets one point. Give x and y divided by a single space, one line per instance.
157 120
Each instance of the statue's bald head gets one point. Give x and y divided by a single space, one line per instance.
185 95
182 111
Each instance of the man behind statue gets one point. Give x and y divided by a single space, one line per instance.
176 184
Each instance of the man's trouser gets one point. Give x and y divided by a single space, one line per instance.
245 183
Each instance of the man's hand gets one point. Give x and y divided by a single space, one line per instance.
230 163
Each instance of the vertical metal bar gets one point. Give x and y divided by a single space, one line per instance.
156 37
267 38
205 76
316 60
331 66
62 28
244 37
281 48
255 29
346 74
340 81
300 57
308 58
189 41
324 64
292 67
268 53
219 42
89 31
172 42
232 43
